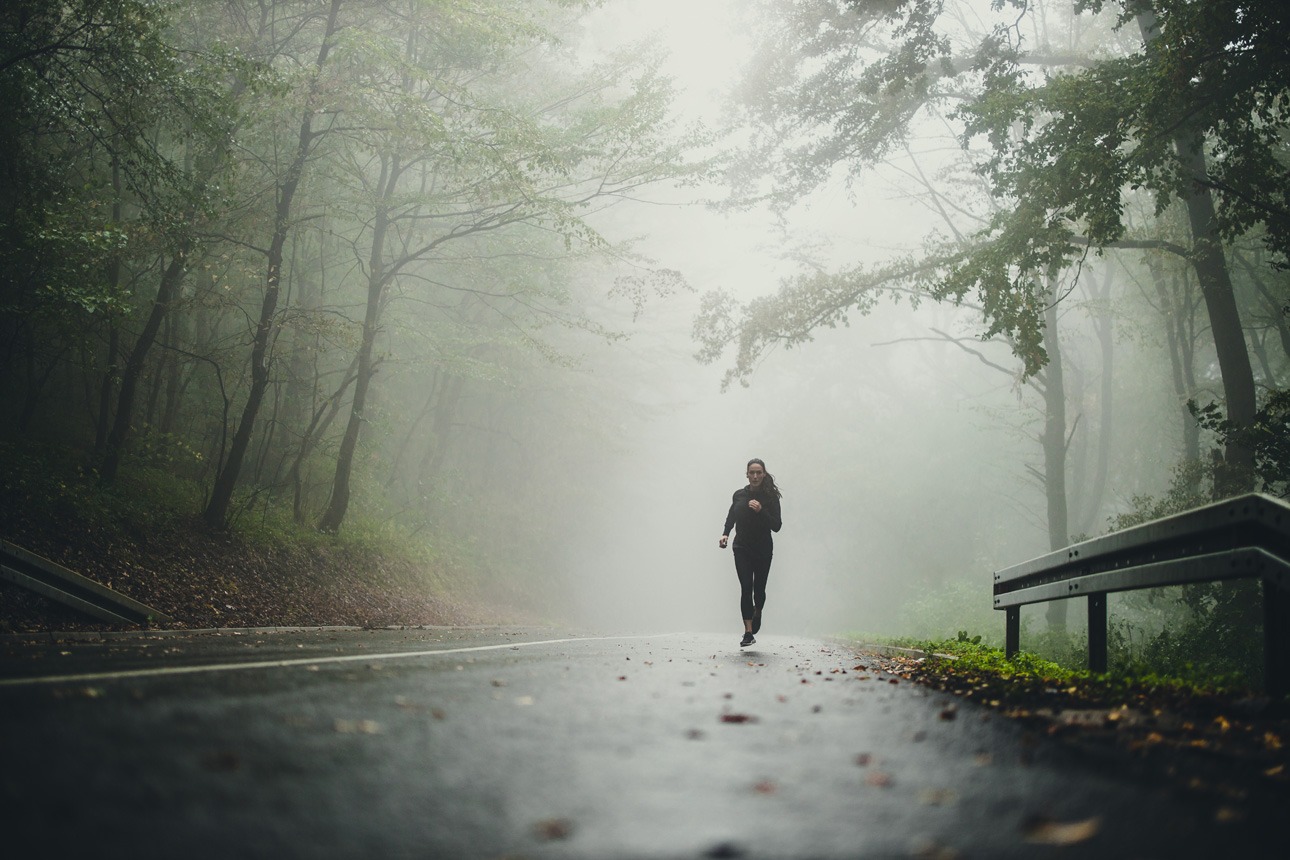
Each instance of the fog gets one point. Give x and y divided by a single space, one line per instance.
460 284
898 473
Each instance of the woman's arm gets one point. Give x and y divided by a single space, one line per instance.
730 520
771 510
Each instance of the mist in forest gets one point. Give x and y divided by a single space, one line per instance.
909 449
901 456
526 289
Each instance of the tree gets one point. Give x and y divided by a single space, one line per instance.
105 120
1079 149
463 136
1062 149
307 140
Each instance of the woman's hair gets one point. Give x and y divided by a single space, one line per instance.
768 481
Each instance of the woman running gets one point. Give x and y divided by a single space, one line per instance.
754 514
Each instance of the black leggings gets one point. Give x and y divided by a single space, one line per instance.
753 569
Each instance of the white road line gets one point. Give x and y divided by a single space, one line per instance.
301 661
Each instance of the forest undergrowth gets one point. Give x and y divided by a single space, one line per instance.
141 536
1219 739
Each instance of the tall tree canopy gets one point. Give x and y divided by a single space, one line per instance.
1183 100
272 247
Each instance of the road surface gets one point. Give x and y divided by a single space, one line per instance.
510 743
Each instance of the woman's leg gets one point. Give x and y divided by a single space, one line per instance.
761 573
745 569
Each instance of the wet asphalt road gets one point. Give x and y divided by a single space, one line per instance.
504 743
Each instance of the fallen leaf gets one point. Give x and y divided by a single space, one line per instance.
550 829
223 761
937 797
357 727
925 849
1044 831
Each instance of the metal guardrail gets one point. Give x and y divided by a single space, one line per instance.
1247 537
39 574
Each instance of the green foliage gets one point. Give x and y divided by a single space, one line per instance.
1210 630
50 483
1268 436
1028 672
1190 487
803 305
1062 140
941 610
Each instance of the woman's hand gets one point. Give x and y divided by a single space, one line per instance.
722 541
755 505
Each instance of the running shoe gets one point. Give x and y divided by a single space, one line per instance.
747 640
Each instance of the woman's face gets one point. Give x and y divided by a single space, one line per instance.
756 474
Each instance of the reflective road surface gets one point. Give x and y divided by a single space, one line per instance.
515 743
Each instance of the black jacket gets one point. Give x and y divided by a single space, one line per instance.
753 527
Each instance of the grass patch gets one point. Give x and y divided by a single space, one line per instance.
983 671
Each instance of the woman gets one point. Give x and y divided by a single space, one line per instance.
754 514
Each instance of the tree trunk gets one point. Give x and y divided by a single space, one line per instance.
339 504
445 410
110 369
169 287
1235 471
1054 443
322 418
216 513
107 385
1173 307
1272 306
1104 325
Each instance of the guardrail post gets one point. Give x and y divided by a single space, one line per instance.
1097 632
1276 639
1012 631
